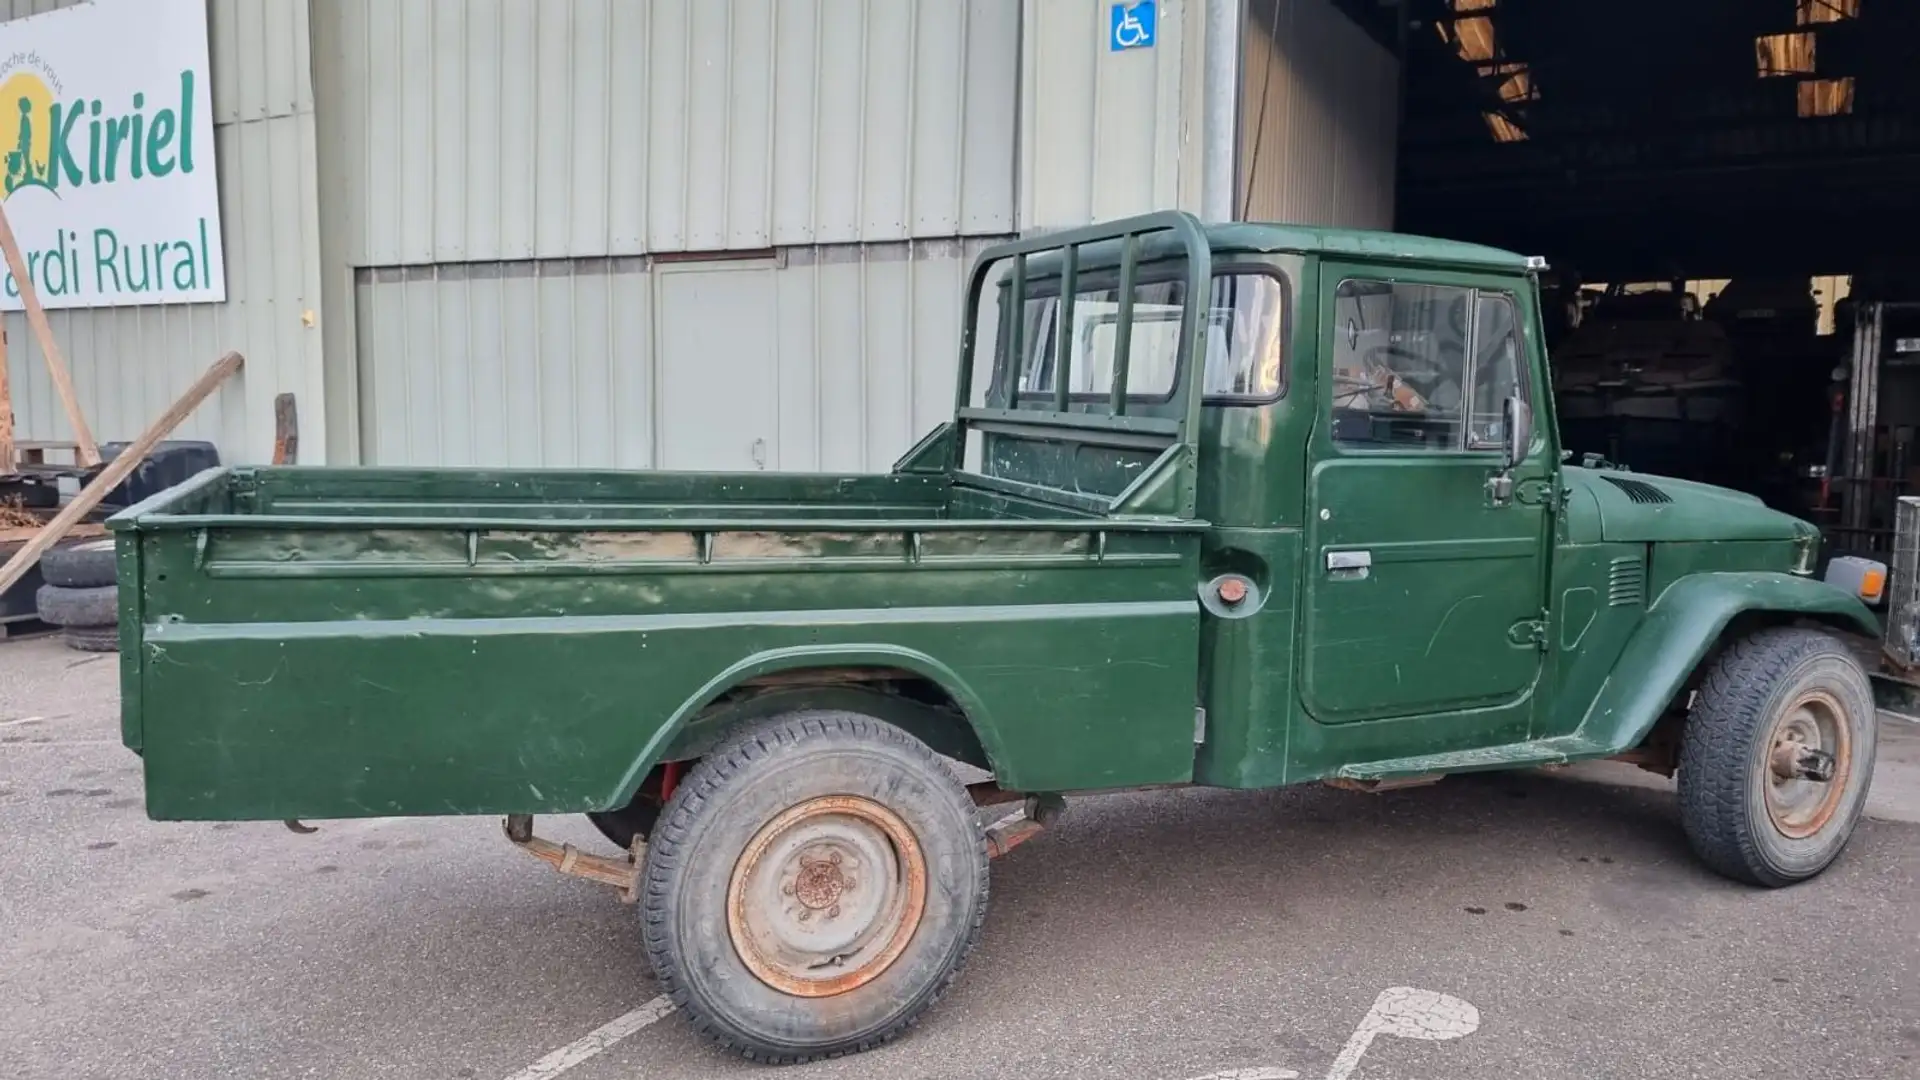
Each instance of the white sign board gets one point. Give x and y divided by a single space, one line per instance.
106 137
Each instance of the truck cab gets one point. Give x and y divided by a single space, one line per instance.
1400 577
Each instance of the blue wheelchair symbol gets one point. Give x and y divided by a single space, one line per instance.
1132 26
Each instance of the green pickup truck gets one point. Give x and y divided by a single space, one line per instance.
1233 505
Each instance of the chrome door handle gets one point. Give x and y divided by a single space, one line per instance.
1349 565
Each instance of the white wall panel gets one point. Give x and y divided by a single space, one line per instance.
623 362
1319 118
130 363
1106 134
484 130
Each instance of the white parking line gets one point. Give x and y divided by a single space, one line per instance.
1406 1012
58 744
595 1042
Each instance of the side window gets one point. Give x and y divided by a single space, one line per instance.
1400 365
1498 371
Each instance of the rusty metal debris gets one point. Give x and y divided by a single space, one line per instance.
622 874
1652 758
1016 829
1389 783
988 793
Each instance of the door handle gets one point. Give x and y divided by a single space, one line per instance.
1349 565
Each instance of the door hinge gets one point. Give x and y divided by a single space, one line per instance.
1529 632
1538 492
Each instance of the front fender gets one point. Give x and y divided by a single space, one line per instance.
678 734
1682 627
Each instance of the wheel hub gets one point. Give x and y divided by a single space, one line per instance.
826 896
1808 761
818 885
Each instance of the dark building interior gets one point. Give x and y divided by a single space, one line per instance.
1758 143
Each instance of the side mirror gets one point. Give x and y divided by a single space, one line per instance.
1518 418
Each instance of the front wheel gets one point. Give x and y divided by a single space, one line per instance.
1776 757
813 886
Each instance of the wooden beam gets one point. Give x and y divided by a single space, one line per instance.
7 463
286 431
117 470
89 451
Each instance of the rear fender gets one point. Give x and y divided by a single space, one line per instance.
697 724
1684 625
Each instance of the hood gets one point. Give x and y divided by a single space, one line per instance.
1638 508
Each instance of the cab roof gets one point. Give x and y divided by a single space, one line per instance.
1366 244
1258 237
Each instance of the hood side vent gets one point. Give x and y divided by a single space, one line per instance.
1639 490
1627 582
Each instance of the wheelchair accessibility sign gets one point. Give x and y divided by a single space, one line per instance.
1132 26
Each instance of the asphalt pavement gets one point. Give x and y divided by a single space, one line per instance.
1537 925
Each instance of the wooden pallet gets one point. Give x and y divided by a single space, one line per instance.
22 627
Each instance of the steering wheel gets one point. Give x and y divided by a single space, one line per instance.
1417 367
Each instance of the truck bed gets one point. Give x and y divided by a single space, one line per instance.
360 642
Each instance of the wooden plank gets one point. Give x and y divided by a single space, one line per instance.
11 536
286 431
7 462
116 471
89 451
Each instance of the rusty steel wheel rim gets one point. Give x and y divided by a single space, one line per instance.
1799 805
826 896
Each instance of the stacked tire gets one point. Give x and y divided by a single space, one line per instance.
81 596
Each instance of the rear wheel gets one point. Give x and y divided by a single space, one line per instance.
1777 756
813 886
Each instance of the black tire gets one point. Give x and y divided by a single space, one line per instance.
636 819
753 782
97 639
96 606
84 565
1758 684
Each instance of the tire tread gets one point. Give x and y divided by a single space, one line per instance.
705 784
1720 728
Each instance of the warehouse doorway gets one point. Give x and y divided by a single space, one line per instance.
717 399
1770 147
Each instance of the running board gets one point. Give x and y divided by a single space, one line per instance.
1521 755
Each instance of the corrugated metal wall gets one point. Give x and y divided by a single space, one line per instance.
130 363
833 358
1106 134
508 182
485 130
1319 118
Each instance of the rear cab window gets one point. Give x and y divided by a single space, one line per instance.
1245 336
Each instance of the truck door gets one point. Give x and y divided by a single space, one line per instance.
1425 586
